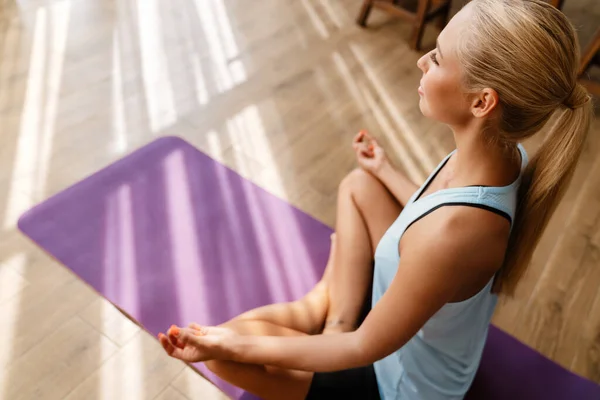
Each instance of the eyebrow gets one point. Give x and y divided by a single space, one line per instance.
437 43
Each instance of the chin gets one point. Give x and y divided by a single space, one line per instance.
424 109
427 112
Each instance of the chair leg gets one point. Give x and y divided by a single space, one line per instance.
419 27
591 86
365 10
589 52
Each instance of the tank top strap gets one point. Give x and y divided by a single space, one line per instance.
473 196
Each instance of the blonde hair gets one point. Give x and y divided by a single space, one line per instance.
528 52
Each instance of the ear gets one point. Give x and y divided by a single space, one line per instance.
484 103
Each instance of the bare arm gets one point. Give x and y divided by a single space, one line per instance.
401 187
372 158
425 281
467 251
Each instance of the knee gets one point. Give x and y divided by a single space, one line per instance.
359 182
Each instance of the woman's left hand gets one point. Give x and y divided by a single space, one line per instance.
370 155
198 343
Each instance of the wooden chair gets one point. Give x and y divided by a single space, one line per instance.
426 10
590 56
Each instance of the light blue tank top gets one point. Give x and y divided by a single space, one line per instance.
441 360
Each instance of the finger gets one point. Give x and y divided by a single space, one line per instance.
173 335
361 137
358 137
198 330
366 136
359 147
170 349
373 149
363 155
365 150
192 336
166 344
363 146
194 326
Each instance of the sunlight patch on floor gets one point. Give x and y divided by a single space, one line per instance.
119 124
34 146
247 130
158 89
403 128
227 72
8 319
315 19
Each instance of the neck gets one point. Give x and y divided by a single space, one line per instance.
478 160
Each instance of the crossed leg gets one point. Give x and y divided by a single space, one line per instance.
365 210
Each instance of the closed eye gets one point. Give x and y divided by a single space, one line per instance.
433 57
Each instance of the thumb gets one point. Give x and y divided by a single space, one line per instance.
377 149
199 330
190 335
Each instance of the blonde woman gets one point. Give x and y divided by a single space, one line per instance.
427 263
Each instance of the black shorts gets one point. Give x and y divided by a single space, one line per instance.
355 383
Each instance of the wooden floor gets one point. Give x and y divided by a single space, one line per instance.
275 90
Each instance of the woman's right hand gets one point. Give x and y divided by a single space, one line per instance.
370 156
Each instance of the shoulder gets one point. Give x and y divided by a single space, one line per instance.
463 237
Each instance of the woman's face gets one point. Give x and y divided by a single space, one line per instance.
442 94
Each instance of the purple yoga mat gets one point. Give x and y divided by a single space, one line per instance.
170 236
511 370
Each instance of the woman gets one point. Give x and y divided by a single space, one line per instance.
443 252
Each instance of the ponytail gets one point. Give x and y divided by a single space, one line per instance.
544 183
528 52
